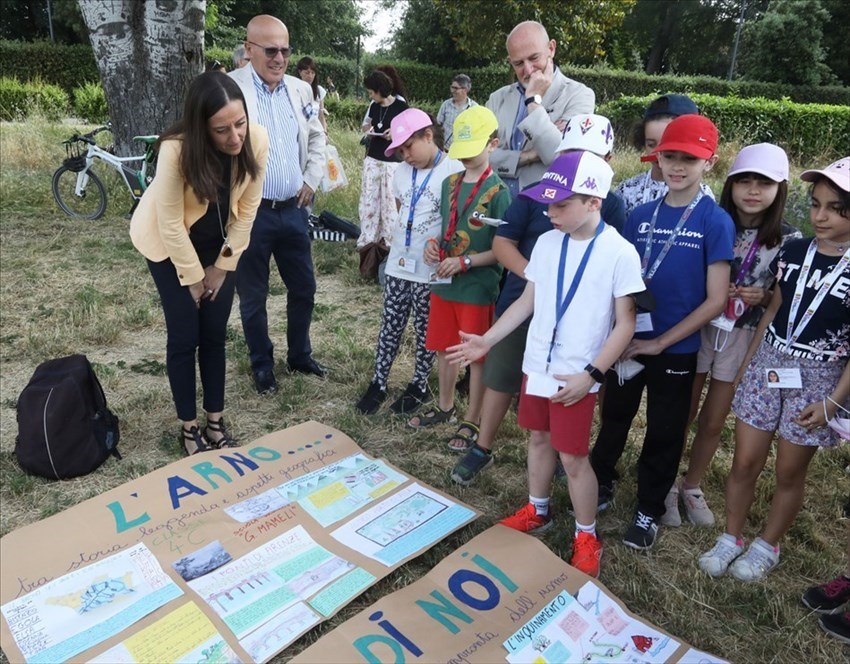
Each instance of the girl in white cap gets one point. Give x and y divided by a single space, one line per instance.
754 196
804 337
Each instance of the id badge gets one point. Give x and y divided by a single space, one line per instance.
407 264
643 323
434 280
723 323
541 385
785 378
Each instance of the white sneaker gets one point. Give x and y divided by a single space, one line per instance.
754 565
696 508
671 516
716 561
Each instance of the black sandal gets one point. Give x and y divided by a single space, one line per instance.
193 436
226 439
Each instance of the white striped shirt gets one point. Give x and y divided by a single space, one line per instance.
283 173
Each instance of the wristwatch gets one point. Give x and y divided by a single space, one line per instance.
467 262
597 375
536 99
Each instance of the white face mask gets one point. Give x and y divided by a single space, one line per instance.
840 425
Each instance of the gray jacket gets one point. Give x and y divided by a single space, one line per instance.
564 99
311 136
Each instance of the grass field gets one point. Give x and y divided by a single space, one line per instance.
69 286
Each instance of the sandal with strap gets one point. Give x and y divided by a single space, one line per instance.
226 439
468 439
434 416
193 436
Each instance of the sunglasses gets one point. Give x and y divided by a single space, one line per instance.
271 51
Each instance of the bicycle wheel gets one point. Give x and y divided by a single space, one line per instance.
89 204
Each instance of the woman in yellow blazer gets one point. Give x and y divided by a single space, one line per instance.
192 225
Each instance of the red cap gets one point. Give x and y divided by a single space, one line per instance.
692 134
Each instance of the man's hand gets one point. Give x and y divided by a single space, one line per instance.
305 196
539 82
527 157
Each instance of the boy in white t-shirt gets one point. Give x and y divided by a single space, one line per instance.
580 276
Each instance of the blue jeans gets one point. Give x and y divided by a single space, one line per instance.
281 233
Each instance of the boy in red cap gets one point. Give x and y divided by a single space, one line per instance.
685 242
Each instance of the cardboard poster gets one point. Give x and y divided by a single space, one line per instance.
242 545
503 597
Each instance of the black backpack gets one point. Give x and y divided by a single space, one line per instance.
64 427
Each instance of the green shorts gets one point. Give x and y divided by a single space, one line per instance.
503 366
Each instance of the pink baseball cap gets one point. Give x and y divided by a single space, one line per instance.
838 172
763 158
404 125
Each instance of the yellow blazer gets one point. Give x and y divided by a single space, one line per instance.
160 225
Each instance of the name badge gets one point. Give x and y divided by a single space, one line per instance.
437 281
643 323
723 323
407 264
786 378
542 385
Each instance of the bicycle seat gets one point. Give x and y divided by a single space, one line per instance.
149 140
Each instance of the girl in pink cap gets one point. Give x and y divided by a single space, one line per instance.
804 337
417 187
754 196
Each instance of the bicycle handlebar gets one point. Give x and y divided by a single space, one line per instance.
89 137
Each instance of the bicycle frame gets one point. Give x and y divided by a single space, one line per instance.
138 184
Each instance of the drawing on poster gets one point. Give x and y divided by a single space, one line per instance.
591 628
256 507
184 635
262 586
203 561
84 608
333 493
412 519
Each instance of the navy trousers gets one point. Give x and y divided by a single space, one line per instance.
280 233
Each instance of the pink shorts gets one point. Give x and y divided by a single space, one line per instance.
447 319
568 426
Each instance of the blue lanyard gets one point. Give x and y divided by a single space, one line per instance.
647 250
415 195
562 303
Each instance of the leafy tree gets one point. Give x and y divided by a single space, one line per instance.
147 54
835 40
28 20
786 45
479 27
317 27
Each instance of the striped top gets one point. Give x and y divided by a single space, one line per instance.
283 175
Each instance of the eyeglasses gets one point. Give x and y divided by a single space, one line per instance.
271 51
455 88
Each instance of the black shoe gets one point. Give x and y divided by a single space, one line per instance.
372 400
641 534
837 626
265 382
410 400
310 366
605 497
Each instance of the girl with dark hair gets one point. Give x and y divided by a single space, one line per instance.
754 196
377 204
309 73
192 225
805 333
417 189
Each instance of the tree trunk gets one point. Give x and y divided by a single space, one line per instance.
661 45
147 52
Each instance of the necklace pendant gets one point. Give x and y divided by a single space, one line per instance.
380 125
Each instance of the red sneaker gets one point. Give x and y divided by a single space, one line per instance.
527 520
587 552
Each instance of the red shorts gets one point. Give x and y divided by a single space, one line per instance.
569 426
448 318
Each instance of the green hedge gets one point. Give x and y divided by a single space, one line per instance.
60 64
20 100
349 112
426 82
805 131
90 103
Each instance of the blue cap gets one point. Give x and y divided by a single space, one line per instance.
671 104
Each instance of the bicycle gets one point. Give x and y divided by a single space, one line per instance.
80 193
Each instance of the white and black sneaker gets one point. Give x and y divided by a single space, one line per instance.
641 534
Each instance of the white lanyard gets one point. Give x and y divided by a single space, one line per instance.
793 333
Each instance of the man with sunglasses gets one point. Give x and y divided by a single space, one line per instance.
283 104
457 104
533 111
